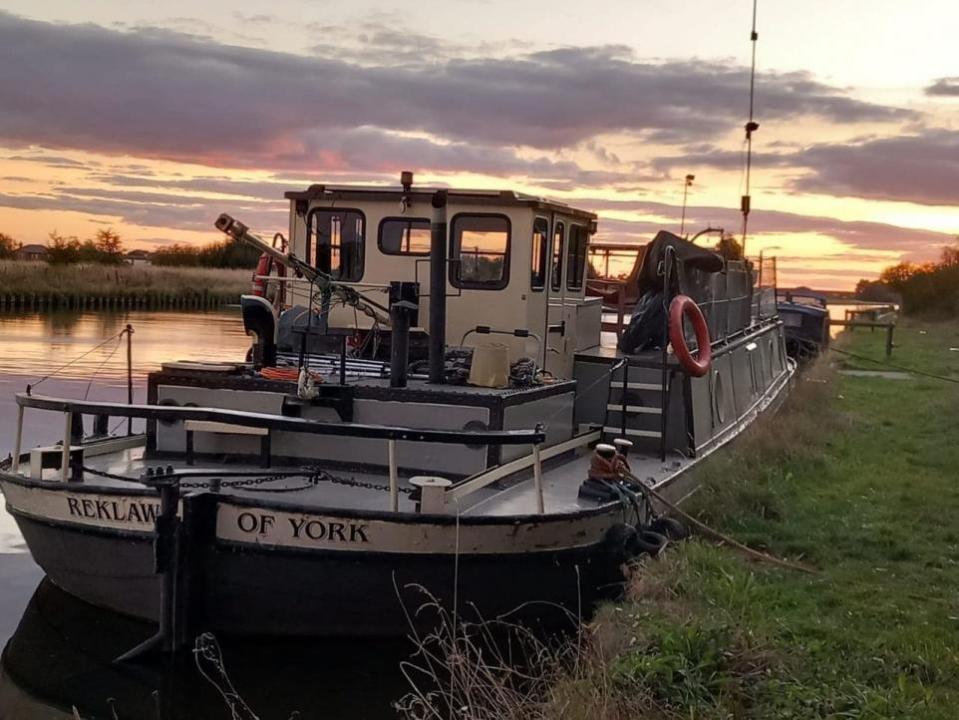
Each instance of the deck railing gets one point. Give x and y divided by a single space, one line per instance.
391 434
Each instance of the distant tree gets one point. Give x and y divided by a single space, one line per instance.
930 288
225 254
62 250
8 246
109 246
87 252
877 291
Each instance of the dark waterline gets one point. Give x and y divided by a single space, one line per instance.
60 655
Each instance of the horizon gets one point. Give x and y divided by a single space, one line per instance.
154 120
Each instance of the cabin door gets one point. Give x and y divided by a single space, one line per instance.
561 319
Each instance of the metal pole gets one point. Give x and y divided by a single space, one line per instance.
129 332
437 347
399 342
394 477
18 441
664 386
682 224
67 436
538 480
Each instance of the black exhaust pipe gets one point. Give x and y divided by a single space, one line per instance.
438 288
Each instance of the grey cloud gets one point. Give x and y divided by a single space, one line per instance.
183 216
51 160
946 87
923 169
159 93
865 235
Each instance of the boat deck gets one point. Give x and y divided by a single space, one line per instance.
562 478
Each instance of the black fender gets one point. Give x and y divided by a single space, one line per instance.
259 321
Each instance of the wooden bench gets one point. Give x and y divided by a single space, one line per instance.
221 428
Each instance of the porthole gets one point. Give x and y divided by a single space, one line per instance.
168 402
719 398
475 426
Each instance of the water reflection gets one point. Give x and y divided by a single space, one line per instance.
62 651
62 656
34 345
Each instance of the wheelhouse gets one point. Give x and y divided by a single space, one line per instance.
516 258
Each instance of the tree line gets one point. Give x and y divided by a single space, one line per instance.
922 288
106 248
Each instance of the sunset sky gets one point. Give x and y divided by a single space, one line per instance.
154 117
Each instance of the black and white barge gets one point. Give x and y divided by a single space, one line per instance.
263 499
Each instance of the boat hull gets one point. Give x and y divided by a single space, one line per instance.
274 585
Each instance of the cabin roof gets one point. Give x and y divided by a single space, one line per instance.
423 195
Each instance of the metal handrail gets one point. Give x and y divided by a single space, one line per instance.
280 422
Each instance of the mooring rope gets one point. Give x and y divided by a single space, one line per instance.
903 368
715 534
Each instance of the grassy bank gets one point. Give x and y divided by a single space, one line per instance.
37 284
857 477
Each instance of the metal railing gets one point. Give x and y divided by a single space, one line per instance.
391 434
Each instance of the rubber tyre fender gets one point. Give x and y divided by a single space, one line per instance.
622 543
651 542
670 527
683 305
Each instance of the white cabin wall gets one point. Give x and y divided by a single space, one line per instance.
504 309
515 306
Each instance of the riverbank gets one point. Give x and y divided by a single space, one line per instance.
855 477
39 286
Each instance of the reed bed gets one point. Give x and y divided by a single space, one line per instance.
41 279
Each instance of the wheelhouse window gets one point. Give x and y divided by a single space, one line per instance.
334 242
556 279
404 236
539 257
576 256
480 251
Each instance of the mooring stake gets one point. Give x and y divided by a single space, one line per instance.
165 554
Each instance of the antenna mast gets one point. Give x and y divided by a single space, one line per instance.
751 127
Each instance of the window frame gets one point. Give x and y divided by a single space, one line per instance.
395 218
558 287
311 250
544 250
455 260
581 258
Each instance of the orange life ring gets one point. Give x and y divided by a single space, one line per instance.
263 267
685 305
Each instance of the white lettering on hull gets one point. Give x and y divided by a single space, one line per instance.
133 513
307 531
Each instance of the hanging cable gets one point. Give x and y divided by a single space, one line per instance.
102 365
76 359
751 127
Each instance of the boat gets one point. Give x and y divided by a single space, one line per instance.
805 316
424 420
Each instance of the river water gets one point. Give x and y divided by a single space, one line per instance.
59 650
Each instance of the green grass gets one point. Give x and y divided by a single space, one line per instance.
858 477
26 278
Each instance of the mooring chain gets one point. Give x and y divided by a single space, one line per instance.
314 477
353 482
